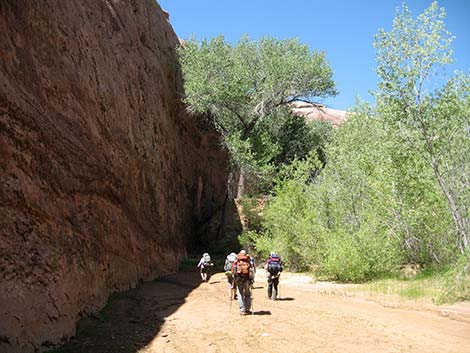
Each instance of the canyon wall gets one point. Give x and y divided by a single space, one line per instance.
104 179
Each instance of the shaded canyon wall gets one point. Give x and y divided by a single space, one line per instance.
104 180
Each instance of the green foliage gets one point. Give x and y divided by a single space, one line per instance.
425 284
285 137
412 292
245 88
396 178
408 56
344 259
375 206
289 218
256 243
252 212
243 83
360 256
457 282
451 143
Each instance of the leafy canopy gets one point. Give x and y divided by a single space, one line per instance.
409 54
407 57
240 85
396 185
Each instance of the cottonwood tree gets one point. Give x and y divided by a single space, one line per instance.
409 57
239 86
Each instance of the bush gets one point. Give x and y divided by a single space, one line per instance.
457 282
344 260
360 256
252 211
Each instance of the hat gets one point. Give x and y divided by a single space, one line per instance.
272 253
242 252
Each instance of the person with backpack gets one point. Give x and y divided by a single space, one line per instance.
203 265
242 271
253 269
232 290
273 269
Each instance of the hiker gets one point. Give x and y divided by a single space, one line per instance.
242 271
273 269
253 269
204 264
229 261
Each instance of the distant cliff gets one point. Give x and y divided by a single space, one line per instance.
104 180
319 112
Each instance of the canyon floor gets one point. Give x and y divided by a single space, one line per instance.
178 313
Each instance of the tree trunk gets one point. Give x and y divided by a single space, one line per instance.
241 183
458 219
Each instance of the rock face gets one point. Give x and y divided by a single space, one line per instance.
319 112
104 180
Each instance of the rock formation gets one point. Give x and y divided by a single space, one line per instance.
104 180
319 112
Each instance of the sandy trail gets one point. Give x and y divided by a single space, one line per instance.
179 314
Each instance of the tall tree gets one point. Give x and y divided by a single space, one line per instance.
408 57
240 85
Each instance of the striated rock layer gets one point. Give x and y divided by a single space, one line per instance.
104 180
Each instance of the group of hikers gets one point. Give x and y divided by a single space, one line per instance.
240 270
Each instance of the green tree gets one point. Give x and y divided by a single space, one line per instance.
276 142
243 87
408 56
397 174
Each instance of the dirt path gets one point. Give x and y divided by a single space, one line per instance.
179 314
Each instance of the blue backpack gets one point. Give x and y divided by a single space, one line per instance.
274 265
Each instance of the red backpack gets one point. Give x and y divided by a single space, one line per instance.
242 266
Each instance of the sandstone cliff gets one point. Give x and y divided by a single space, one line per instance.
319 112
104 180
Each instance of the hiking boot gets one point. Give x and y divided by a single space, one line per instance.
243 313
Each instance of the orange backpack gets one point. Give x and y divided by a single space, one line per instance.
242 266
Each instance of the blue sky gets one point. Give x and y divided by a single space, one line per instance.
343 29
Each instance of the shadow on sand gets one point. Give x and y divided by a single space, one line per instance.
285 299
131 319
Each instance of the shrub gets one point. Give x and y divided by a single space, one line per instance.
457 282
